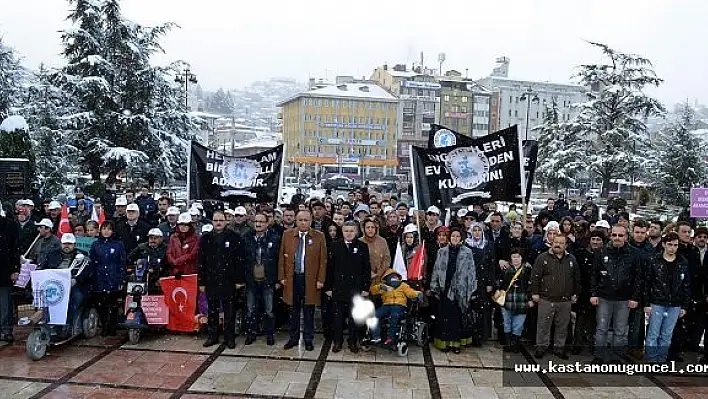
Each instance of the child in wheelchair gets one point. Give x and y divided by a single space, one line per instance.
394 296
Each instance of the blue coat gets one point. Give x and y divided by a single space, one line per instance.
107 266
270 247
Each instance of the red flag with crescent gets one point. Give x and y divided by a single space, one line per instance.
181 299
416 268
64 224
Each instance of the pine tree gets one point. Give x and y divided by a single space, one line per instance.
678 160
557 157
609 127
12 74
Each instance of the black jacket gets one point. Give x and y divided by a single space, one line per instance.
348 270
586 260
28 233
392 239
157 257
668 286
698 273
221 262
131 236
554 279
9 250
270 249
617 274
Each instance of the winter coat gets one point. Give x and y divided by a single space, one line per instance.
501 245
380 257
348 270
484 261
9 250
167 230
270 247
182 253
222 260
394 296
28 233
523 244
617 274
323 224
241 228
147 206
464 282
132 236
78 263
107 265
586 259
519 294
43 247
157 257
698 273
555 280
667 287
315 264
392 238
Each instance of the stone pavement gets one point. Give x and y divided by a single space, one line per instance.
176 366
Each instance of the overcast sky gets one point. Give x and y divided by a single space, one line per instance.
232 43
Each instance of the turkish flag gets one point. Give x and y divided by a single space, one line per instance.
98 217
417 265
64 224
181 299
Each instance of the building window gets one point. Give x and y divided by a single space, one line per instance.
516 113
517 100
447 98
464 99
536 114
509 112
511 99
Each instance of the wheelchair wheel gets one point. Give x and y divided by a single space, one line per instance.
134 336
402 349
90 323
37 343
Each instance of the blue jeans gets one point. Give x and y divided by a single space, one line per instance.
618 313
300 307
394 313
661 327
513 322
7 311
260 294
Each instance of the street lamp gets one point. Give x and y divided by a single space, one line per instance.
533 96
186 77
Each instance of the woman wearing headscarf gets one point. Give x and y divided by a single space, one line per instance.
483 252
454 283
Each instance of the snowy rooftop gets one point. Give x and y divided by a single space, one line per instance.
403 74
501 81
347 90
14 123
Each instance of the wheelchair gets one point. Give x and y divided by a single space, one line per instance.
411 329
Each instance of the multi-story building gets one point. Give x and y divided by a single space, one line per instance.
514 97
352 123
419 94
464 105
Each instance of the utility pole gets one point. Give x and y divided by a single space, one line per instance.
186 78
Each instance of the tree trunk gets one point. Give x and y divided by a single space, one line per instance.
111 178
605 186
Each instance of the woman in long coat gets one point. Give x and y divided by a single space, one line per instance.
454 282
106 273
183 249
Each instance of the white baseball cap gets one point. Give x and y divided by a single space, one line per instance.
194 212
410 229
198 205
207 228
29 202
552 226
433 209
173 211
46 223
155 232
602 223
462 213
68 238
121 201
54 205
240 211
184 218
230 211
133 208
388 210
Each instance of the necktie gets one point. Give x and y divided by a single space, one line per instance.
299 267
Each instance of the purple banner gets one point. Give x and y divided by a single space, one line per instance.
699 202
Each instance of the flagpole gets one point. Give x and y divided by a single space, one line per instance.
413 182
189 173
522 174
280 180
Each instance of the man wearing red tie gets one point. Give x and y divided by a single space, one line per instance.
302 269
348 275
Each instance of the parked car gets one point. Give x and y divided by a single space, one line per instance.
338 182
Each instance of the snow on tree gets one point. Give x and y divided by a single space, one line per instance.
12 75
557 157
14 139
678 160
221 102
609 127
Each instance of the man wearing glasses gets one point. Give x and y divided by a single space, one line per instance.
615 288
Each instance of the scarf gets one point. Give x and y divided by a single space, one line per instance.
473 242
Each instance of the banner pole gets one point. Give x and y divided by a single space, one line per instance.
281 179
522 174
189 173
413 181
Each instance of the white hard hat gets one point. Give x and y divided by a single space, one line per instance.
155 232
68 238
410 229
173 211
133 208
54 205
184 218
121 201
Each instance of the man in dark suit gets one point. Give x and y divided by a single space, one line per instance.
302 269
348 275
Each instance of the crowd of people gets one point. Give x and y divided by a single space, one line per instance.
566 279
